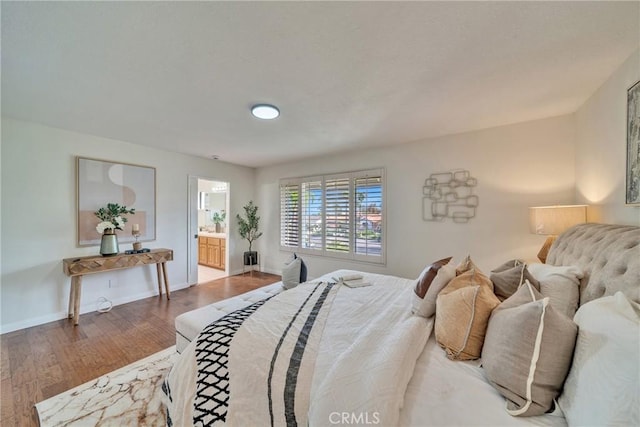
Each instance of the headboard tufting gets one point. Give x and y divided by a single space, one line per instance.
608 254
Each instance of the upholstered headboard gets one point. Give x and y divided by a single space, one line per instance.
608 254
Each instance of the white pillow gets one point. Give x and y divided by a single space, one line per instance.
561 284
291 274
426 307
603 385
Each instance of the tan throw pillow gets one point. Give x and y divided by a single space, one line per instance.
461 319
509 277
465 265
428 274
527 351
472 277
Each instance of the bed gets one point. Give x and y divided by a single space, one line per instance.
324 353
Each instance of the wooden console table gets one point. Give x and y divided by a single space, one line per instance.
77 267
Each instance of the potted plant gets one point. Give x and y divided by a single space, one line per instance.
218 218
113 219
248 229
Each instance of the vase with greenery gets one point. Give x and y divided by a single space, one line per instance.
218 218
112 219
248 228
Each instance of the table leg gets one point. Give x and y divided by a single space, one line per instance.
166 280
159 280
76 303
72 296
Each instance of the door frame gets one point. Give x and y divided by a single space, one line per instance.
192 226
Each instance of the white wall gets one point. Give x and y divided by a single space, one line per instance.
516 166
39 224
601 135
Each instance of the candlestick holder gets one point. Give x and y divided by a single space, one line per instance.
136 245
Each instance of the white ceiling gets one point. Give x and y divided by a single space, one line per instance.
181 76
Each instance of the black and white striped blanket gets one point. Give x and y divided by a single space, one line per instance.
284 358
308 356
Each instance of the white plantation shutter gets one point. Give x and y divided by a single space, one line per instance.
340 215
311 222
337 233
289 215
368 216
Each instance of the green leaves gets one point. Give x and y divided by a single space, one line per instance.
113 213
218 217
248 226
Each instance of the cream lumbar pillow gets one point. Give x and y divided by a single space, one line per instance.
527 351
603 385
433 278
463 308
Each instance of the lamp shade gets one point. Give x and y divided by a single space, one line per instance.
553 220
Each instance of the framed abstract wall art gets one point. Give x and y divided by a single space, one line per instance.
633 145
100 182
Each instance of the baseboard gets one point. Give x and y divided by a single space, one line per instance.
35 321
235 272
265 270
271 271
87 307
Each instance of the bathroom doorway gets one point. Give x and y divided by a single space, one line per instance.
209 201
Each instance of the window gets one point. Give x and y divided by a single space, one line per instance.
311 208
338 215
290 220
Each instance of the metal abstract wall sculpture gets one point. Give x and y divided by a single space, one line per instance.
449 195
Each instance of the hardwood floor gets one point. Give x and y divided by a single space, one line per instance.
40 362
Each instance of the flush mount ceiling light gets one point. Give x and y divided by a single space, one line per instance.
265 111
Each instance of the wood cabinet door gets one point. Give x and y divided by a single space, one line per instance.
216 256
202 254
202 250
211 254
223 253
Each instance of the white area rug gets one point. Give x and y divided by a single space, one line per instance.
129 396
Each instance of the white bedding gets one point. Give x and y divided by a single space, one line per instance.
366 357
443 392
370 369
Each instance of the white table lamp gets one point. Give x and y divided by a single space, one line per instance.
553 220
